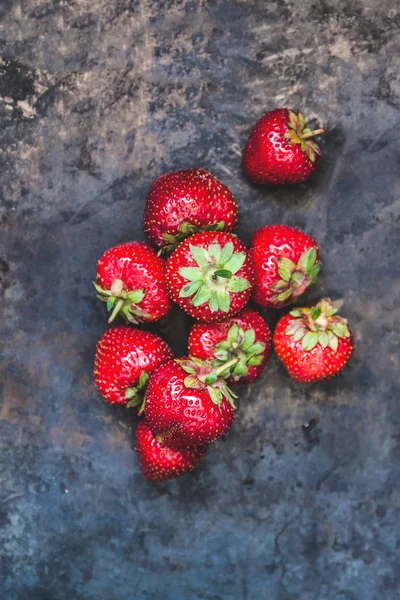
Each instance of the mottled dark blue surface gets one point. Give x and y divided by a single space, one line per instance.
97 98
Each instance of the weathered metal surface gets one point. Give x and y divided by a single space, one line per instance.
97 99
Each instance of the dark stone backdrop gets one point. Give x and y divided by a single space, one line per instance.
97 99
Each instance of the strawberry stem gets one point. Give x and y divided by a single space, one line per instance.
213 376
226 366
116 310
304 136
223 273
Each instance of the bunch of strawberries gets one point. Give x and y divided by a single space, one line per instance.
190 217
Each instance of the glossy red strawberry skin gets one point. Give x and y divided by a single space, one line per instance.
193 196
268 158
159 462
205 337
137 265
182 257
184 417
121 356
268 244
308 366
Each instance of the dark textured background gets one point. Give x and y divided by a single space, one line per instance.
98 97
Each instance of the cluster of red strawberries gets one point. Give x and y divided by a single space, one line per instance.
185 402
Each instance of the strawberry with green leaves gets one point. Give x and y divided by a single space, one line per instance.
280 149
286 262
158 462
125 359
131 280
313 343
188 403
182 203
210 275
245 336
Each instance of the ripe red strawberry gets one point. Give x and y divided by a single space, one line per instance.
160 463
125 358
210 275
280 150
246 336
188 403
181 203
131 279
313 343
286 262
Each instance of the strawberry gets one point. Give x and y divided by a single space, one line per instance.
280 150
181 203
160 463
313 343
286 262
188 403
210 275
125 358
131 279
246 336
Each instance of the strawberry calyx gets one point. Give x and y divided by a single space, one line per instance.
135 395
239 344
299 133
214 278
295 279
202 375
319 324
123 302
187 229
